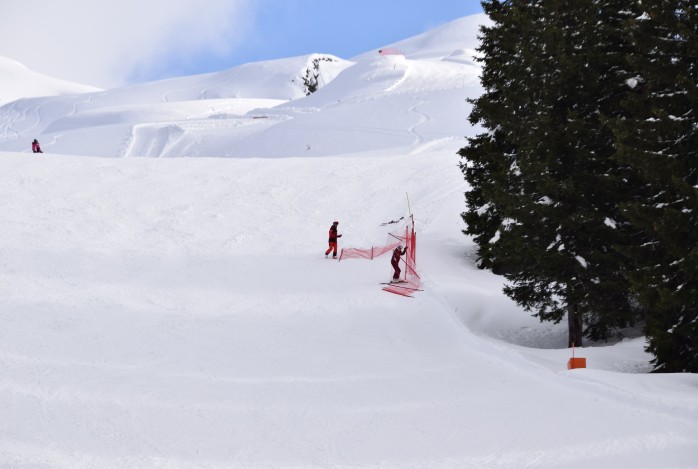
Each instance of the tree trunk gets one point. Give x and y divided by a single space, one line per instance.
574 322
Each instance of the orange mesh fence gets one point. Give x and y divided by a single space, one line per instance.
405 236
390 51
368 253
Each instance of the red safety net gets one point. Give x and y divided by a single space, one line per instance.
390 51
405 236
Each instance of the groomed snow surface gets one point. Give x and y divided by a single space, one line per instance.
180 313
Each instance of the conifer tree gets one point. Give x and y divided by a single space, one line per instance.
658 141
544 190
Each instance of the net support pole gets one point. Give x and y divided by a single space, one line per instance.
406 245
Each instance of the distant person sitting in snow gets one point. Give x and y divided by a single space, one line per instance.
333 240
395 261
35 147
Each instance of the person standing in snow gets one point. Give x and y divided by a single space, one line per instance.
395 261
35 147
333 240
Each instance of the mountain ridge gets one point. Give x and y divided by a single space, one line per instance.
214 114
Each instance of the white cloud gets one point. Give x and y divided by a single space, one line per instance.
102 43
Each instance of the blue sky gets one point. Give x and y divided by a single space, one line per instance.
108 44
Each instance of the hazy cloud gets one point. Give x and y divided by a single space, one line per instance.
104 43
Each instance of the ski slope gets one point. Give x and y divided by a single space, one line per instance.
166 302
17 81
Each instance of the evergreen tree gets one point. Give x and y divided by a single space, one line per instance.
658 141
544 190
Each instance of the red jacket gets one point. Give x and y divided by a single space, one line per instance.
333 234
396 255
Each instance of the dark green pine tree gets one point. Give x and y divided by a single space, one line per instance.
659 142
544 190
490 159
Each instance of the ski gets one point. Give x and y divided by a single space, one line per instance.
406 287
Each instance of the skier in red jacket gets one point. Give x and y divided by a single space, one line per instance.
395 261
35 147
333 240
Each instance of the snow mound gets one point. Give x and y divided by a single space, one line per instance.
18 81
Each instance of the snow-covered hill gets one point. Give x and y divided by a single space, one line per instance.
180 313
179 116
261 109
17 81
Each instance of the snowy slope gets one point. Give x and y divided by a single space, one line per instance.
178 111
396 103
179 312
17 81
